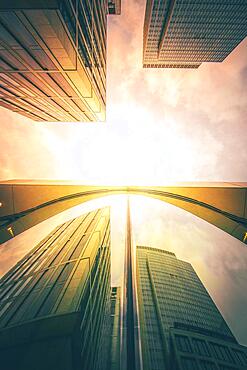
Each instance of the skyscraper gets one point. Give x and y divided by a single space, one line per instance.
184 34
56 300
53 58
181 328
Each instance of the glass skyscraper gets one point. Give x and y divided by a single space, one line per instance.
55 303
184 34
53 58
180 326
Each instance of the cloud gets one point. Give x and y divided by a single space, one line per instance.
208 106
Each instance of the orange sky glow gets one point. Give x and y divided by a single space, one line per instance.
162 126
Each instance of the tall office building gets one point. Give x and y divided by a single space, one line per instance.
184 34
181 328
55 302
53 58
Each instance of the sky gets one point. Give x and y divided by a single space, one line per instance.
162 125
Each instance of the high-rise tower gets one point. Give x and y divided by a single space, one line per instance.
53 58
55 302
184 34
181 328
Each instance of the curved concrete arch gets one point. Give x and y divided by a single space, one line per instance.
27 203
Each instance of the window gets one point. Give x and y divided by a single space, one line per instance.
239 357
207 365
189 363
201 347
183 343
221 352
4 308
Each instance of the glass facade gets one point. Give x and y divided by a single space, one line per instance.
186 33
180 324
53 59
56 300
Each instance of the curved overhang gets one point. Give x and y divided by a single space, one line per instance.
24 204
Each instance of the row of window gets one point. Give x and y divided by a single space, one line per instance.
169 65
209 349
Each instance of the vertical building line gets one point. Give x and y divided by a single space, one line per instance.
144 348
159 316
131 344
166 24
